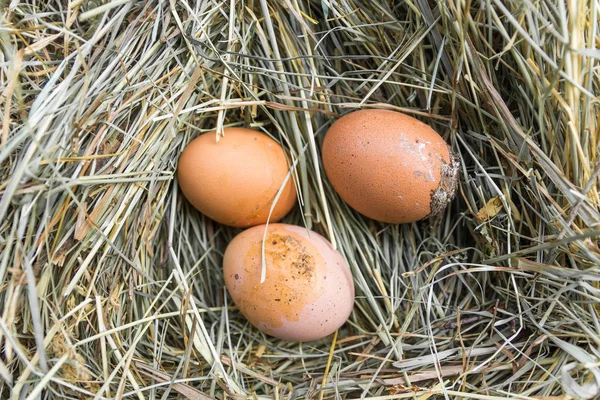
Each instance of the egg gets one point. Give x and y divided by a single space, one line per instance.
389 166
308 292
234 181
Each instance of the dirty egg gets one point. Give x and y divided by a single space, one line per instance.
308 292
234 181
389 166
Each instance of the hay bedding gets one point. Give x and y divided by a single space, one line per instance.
111 282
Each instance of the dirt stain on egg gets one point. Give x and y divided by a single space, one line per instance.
294 276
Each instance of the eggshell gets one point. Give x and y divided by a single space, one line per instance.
308 292
235 180
389 166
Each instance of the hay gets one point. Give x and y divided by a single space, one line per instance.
111 282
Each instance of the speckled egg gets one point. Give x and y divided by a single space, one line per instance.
308 292
389 166
234 181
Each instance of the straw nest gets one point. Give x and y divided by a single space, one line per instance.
112 284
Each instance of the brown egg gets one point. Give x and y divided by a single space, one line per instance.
234 181
389 166
308 291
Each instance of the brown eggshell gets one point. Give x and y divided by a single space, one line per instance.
308 292
234 181
389 166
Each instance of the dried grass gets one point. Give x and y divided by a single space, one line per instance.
111 282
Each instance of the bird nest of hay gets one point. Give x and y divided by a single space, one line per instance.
112 285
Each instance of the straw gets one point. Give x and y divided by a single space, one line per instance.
112 283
